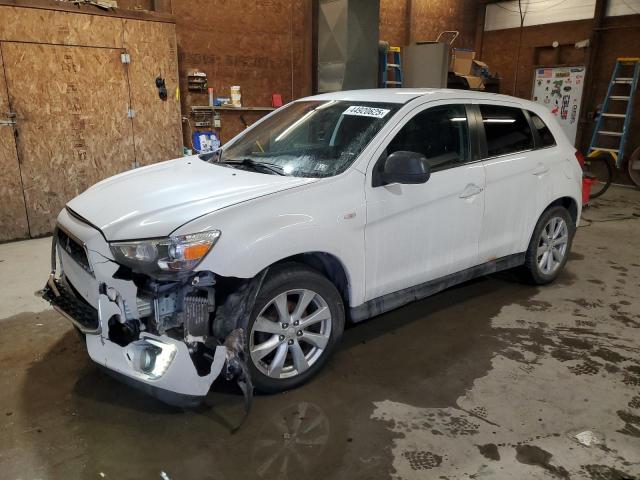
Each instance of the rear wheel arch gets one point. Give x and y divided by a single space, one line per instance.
567 202
543 244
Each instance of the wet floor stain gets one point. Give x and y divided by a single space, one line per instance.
537 305
585 368
490 451
532 455
609 355
620 268
421 460
604 472
631 424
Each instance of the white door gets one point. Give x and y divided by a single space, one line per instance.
416 233
517 185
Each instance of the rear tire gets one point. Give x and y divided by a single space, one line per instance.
549 247
296 322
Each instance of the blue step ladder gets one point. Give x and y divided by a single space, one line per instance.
621 78
394 66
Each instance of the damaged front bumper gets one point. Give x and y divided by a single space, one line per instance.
83 289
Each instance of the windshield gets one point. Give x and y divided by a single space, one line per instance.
308 139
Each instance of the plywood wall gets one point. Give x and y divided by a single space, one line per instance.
13 217
157 123
19 24
72 122
72 95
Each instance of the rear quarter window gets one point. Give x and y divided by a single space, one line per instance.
545 135
507 130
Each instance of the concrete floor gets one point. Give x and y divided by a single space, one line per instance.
492 379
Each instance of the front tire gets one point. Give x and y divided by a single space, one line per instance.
296 322
549 246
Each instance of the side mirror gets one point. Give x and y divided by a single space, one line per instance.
404 167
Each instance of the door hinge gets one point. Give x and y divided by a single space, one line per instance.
11 121
125 58
131 113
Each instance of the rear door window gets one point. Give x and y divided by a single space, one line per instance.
507 130
544 134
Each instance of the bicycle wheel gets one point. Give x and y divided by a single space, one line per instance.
634 167
600 168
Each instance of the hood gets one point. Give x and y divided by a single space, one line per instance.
153 201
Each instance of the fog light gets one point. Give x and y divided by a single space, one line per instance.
151 357
147 358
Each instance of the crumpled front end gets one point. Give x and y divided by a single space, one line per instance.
152 333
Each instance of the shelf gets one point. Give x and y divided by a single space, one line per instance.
198 108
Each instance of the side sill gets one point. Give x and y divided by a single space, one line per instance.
394 300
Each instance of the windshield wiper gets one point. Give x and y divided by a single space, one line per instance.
252 164
211 156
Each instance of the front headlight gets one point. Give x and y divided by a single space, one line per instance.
171 254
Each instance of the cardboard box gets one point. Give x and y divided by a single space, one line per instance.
475 83
479 69
462 61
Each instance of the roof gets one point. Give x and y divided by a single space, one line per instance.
403 95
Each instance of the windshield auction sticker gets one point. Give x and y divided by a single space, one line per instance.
366 111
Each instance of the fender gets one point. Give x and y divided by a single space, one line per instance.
327 216
563 188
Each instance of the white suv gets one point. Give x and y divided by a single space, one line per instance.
335 207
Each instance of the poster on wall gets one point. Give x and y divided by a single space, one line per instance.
560 90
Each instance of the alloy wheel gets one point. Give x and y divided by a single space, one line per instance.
552 245
290 333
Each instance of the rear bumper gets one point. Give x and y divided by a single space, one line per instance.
159 365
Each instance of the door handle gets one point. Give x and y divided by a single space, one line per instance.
470 190
540 169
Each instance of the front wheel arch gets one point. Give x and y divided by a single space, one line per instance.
289 277
235 297
326 264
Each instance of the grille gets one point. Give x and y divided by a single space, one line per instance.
74 249
72 306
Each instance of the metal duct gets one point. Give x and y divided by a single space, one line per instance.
347 44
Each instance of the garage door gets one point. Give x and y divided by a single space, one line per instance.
71 106
13 218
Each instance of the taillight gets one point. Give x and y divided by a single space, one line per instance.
580 158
